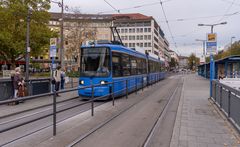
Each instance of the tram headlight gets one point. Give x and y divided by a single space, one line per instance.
81 82
102 82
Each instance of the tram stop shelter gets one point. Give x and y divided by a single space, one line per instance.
227 67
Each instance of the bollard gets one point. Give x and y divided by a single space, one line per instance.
113 100
127 89
92 103
54 113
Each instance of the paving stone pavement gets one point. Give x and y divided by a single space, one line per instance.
197 123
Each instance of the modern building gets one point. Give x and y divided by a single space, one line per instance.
183 62
138 30
174 55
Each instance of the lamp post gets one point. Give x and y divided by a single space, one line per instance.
27 45
203 42
61 45
232 39
212 64
212 25
204 54
61 5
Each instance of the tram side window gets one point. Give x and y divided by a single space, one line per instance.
116 63
144 66
133 66
126 65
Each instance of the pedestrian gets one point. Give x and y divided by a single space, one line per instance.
57 77
17 82
63 75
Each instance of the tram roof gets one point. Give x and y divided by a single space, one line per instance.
235 58
124 49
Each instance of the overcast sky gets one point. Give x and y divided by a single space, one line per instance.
184 32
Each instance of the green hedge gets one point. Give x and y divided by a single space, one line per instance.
74 74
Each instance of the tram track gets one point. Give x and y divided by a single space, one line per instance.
107 121
161 117
36 117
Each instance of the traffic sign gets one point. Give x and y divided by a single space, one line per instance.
53 51
53 41
211 37
211 47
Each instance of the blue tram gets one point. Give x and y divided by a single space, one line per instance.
106 63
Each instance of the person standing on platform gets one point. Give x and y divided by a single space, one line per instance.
63 75
57 77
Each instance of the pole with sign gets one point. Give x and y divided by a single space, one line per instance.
211 49
53 54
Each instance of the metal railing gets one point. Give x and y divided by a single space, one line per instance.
126 90
228 101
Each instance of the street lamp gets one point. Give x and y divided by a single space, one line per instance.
212 25
203 41
232 39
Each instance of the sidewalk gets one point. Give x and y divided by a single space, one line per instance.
198 123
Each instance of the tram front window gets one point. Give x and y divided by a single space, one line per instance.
95 62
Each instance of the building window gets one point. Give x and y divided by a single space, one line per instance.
145 29
122 30
141 44
138 37
138 30
138 44
133 30
145 37
133 44
149 29
66 42
149 44
149 37
141 30
126 30
145 44
141 37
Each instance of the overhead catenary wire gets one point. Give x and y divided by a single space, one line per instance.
234 3
228 9
112 6
134 7
169 29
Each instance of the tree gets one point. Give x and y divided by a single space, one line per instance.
78 32
173 63
13 28
193 61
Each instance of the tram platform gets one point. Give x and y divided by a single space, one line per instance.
199 123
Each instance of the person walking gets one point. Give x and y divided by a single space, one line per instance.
63 75
57 77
